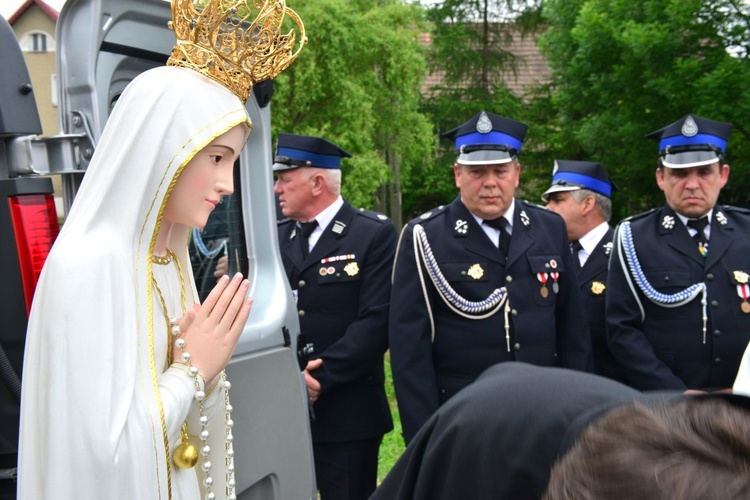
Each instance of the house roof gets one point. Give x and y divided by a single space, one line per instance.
50 11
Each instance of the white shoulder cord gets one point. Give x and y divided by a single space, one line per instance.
458 304
626 249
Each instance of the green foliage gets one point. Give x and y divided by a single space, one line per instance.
357 83
393 443
623 69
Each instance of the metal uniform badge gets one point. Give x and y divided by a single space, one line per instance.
475 271
721 218
484 124
338 227
597 288
351 269
743 290
608 248
524 218
542 277
689 128
461 227
667 222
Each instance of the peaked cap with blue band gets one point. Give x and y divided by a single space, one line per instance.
571 175
692 141
487 139
294 151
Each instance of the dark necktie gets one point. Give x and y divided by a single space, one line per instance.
305 230
700 237
501 225
577 247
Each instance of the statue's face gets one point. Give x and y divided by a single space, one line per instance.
207 178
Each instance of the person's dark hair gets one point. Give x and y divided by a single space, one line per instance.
695 448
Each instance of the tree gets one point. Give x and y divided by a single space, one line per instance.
623 69
357 83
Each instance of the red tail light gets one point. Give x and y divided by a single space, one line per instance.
35 225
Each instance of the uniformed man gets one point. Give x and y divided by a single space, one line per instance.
482 280
338 261
581 193
678 315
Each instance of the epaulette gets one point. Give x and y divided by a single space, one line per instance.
533 205
430 214
740 210
641 215
281 222
373 215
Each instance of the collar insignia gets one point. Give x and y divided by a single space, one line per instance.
338 227
667 222
461 227
607 248
721 218
524 218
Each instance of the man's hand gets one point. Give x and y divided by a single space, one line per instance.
222 267
313 386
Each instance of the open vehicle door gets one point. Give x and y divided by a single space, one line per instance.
101 46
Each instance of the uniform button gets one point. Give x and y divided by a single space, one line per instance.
517 347
301 313
717 361
338 275
710 276
714 303
546 265
508 279
463 273
666 278
442 391
513 312
302 284
717 333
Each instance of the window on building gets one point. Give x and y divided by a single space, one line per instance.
37 41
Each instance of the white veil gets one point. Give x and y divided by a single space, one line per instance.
92 416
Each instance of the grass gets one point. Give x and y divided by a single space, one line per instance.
393 443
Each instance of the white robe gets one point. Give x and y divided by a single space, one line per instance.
101 408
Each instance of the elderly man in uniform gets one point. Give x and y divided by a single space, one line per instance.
482 280
678 315
581 194
338 261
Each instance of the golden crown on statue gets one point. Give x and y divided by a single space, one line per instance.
221 40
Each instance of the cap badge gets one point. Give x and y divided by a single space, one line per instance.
476 271
351 269
597 287
689 128
741 277
608 248
484 124
721 218
462 227
667 222
524 218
